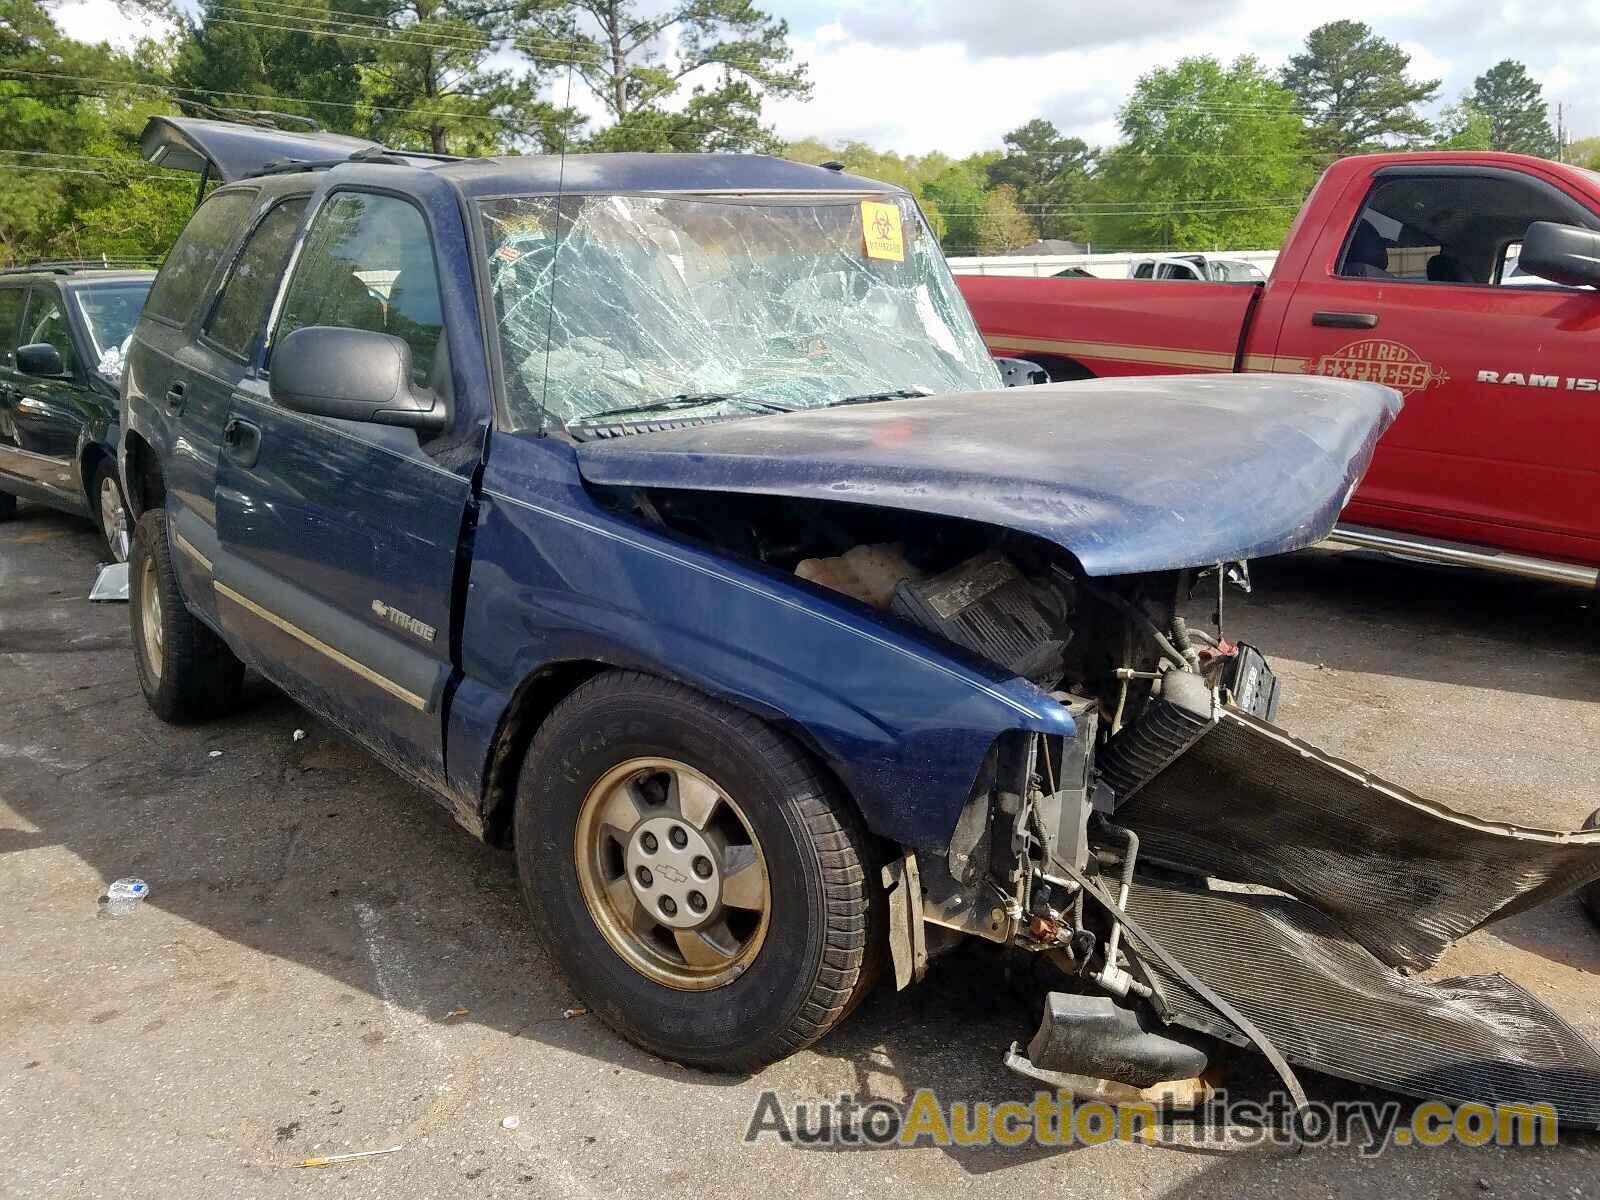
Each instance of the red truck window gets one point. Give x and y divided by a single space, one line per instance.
1448 228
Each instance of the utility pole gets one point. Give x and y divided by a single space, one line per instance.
1561 132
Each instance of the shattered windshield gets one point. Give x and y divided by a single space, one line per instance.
621 308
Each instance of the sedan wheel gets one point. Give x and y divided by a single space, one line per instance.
113 514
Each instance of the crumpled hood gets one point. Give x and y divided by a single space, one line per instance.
1128 475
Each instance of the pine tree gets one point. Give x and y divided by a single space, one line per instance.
1519 119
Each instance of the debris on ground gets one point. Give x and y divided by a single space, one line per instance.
123 896
510 1122
456 1012
327 1160
577 1010
299 735
216 754
111 583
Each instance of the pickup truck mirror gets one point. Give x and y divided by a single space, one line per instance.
41 358
355 375
1565 254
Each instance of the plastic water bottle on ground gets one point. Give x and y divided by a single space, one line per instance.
123 896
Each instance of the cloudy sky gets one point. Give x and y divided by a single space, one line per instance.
953 75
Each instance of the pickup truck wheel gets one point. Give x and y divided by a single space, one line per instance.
8 506
704 888
110 511
1591 894
185 670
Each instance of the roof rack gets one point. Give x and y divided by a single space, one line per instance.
67 266
265 118
380 155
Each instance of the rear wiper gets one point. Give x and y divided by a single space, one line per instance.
686 400
874 397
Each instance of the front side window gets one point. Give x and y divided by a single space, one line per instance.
46 324
10 324
1454 229
242 308
368 264
195 255
742 304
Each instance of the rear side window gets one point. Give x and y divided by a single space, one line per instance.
368 264
242 308
10 322
195 255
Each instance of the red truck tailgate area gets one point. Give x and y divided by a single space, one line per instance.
1162 328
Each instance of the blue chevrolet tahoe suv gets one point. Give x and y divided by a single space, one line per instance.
665 517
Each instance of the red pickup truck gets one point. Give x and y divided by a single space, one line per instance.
1465 281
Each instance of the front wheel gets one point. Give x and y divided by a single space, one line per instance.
704 888
185 670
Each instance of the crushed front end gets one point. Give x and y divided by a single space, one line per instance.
1200 879
1203 878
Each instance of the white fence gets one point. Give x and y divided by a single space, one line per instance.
1104 266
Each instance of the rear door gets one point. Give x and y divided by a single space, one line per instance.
338 539
175 396
1497 444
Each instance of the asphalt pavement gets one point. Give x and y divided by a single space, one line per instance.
327 964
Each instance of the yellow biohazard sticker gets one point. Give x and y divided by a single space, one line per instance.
881 225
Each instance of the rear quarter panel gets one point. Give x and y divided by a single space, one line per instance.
1113 326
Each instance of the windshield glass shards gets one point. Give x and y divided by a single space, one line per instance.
610 304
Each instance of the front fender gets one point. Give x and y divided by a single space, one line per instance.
555 578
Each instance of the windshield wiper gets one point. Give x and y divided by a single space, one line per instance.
686 400
895 394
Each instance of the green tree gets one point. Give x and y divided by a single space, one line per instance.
1210 156
1352 86
1463 126
75 186
436 75
1585 152
1003 225
957 193
1519 119
730 54
1049 172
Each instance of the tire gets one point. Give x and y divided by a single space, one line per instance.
8 506
186 671
807 961
106 494
1591 894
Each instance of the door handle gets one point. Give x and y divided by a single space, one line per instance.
241 441
1345 320
176 395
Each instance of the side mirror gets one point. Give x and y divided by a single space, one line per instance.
41 358
354 375
1565 254
1020 372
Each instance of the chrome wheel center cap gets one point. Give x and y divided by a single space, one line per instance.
674 872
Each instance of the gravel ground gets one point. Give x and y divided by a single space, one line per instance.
326 963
